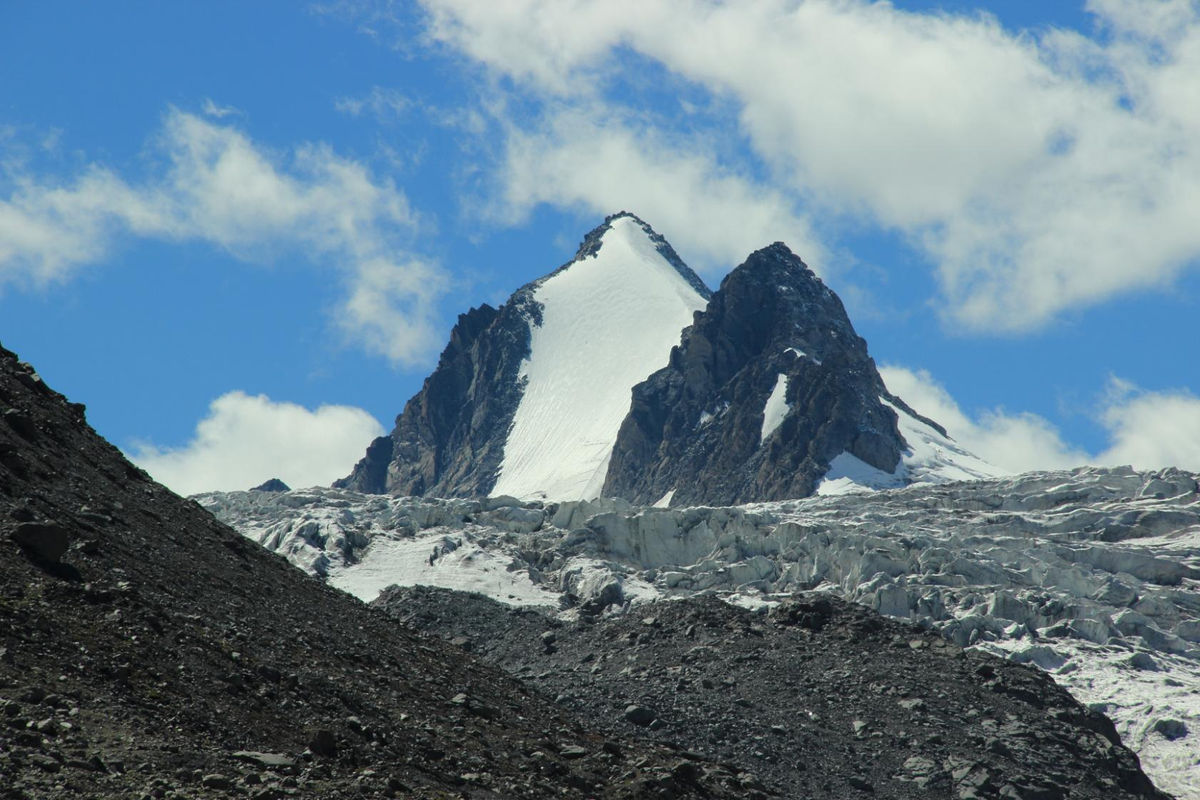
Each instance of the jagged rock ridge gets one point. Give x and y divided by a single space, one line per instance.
767 388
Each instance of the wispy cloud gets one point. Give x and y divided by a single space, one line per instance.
247 439
381 102
1037 171
211 109
219 187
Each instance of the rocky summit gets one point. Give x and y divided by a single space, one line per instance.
621 375
527 398
768 387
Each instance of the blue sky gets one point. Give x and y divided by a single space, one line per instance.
240 232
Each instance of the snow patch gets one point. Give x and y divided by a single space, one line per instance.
437 559
608 321
930 458
849 474
776 408
802 354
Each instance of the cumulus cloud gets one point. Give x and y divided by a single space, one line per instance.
1017 442
1147 430
247 439
601 163
1151 429
1038 171
219 187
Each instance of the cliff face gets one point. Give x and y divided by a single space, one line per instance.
449 440
767 387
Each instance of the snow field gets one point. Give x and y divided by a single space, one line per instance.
608 321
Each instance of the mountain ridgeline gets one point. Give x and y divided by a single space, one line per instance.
620 374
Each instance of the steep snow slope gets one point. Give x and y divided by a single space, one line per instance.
607 321
1092 574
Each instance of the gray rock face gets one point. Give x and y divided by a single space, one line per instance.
700 427
450 439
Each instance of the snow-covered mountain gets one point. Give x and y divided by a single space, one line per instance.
1093 575
620 374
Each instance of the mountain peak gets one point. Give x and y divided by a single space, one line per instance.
527 399
621 374
629 227
778 266
767 387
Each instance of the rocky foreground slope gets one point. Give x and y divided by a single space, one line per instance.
825 699
1091 575
147 650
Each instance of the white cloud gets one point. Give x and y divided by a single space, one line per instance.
1017 442
212 109
1148 430
247 439
601 163
1039 172
219 187
1152 429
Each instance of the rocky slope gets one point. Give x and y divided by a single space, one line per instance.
527 399
1092 575
147 650
824 698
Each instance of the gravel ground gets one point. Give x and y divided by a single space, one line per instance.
818 697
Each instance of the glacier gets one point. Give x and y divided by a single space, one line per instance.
1092 575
